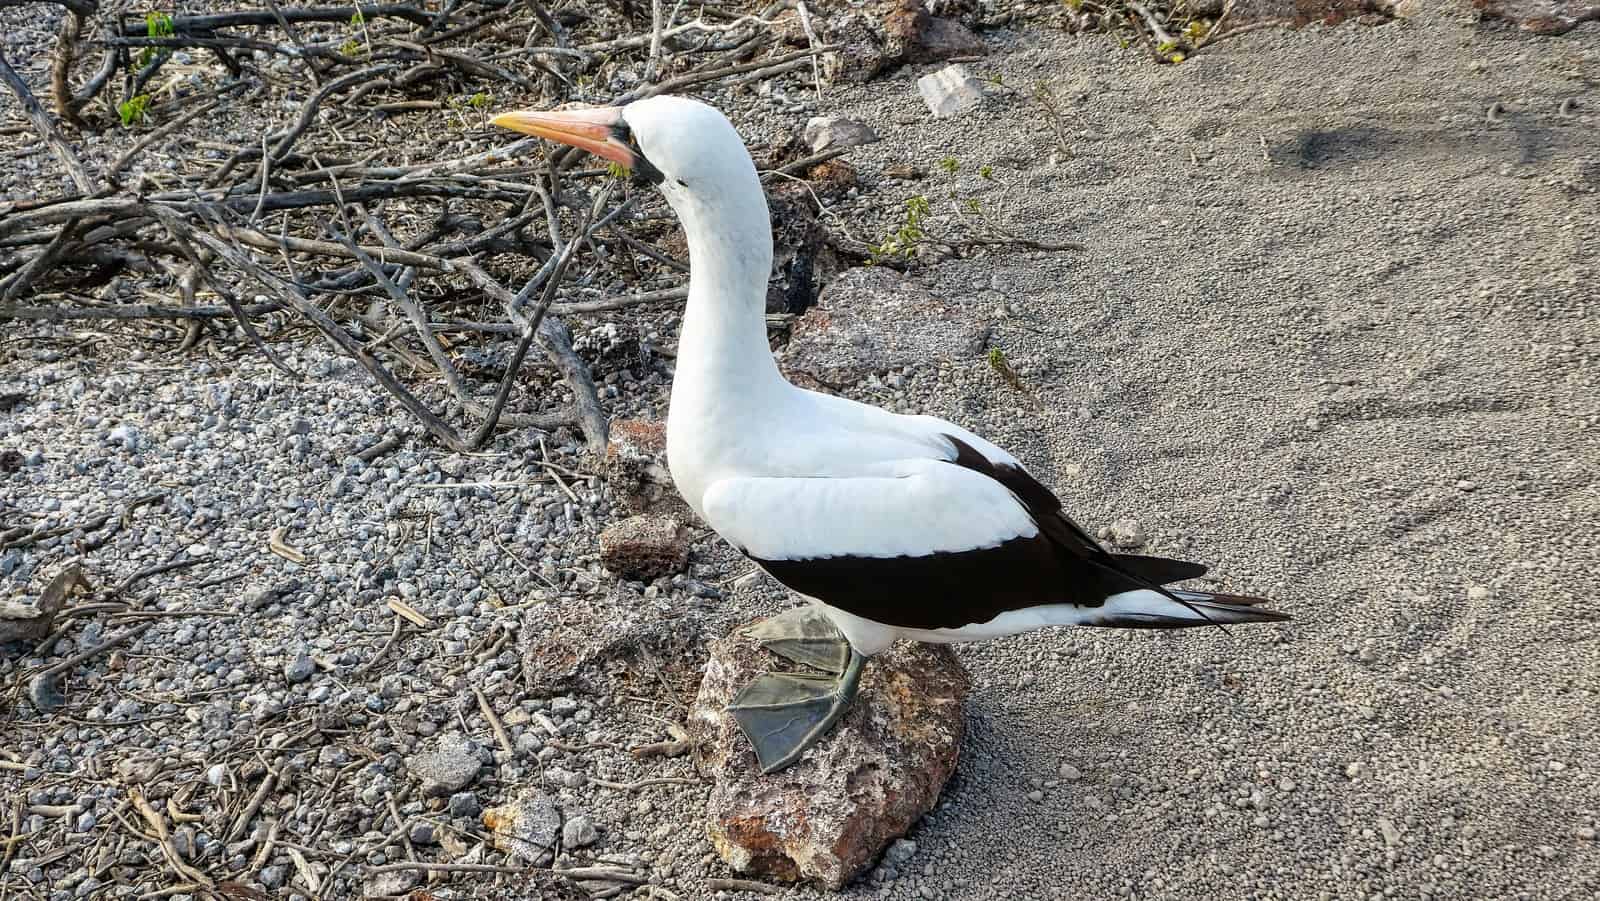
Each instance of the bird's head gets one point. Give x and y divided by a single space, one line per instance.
681 146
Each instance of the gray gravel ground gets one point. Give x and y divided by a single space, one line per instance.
1332 335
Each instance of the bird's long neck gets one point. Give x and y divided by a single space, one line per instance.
723 356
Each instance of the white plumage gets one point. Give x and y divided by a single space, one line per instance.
827 493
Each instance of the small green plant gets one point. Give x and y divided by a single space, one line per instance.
903 242
358 28
986 173
1055 112
950 164
156 25
619 171
470 110
1002 368
973 206
132 110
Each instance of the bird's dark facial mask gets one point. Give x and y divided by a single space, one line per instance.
601 131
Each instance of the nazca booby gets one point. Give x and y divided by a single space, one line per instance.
893 526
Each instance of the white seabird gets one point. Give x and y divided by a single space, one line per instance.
893 526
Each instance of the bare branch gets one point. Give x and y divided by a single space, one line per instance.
45 127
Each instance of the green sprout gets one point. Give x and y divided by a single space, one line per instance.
903 243
358 23
1002 368
950 164
133 109
156 25
974 207
469 108
986 173
619 171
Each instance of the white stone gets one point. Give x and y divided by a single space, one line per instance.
950 91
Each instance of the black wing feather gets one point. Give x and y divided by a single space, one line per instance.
1062 564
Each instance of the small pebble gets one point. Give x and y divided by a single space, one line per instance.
299 669
465 804
579 832
272 877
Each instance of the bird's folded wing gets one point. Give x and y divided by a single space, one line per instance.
914 508
936 546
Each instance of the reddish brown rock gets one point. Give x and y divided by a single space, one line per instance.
913 35
645 547
1298 12
1547 17
832 177
899 32
828 817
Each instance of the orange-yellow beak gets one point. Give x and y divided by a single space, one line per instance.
593 130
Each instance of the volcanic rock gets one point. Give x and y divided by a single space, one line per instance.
635 466
827 817
645 547
913 35
526 828
447 766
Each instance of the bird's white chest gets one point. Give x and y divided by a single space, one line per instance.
709 438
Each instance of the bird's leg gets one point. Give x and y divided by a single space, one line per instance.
784 713
805 635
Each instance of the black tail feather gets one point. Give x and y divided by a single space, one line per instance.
1160 570
1198 608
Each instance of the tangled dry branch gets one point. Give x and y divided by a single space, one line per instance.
315 222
